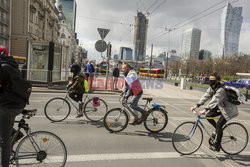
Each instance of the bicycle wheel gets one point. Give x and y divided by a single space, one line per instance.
57 109
41 148
95 113
235 138
157 120
115 120
187 138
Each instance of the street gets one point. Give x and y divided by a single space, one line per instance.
90 144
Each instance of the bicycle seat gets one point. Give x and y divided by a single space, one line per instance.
148 99
29 112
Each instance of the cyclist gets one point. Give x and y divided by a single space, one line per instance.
217 106
76 86
133 88
10 106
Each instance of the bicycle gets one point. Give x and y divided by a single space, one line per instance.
116 120
36 148
58 109
188 136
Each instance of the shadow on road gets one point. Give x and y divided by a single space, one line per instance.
241 159
162 137
82 122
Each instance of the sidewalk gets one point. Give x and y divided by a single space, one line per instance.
171 91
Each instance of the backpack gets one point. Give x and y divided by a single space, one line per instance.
234 95
20 86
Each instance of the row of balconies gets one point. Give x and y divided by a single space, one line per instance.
4 21
4 6
4 35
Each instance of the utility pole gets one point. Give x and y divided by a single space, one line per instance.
150 61
108 58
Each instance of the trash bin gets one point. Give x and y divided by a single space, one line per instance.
175 84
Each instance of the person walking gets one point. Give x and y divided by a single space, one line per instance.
116 74
89 73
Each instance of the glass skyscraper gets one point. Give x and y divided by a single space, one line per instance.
231 21
140 37
191 43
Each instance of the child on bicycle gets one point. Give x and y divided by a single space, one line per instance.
218 106
76 86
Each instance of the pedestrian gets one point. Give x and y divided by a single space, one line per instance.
90 73
116 74
10 104
218 105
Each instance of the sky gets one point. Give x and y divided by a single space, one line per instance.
119 17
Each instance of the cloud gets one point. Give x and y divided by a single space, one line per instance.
116 15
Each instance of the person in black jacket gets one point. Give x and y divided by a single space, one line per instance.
116 74
10 106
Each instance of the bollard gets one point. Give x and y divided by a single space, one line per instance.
246 94
190 88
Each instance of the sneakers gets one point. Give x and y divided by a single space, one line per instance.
79 115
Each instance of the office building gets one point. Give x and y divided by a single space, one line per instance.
205 54
231 21
140 37
125 53
191 43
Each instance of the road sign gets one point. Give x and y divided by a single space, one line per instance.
103 32
100 46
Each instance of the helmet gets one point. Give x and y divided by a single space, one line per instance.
3 52
75 68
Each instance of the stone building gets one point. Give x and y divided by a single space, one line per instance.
5 22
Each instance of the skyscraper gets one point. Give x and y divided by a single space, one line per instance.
5 22
231 21
69 11
140 37
191 43
125 53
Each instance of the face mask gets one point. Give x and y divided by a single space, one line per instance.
212 82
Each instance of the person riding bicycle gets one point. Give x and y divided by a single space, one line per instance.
10 106
133 88
76 86
217 106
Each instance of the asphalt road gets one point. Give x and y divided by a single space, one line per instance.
91 145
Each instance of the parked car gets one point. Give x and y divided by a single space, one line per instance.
239 83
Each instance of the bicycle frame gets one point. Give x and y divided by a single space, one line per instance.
199 122
67 98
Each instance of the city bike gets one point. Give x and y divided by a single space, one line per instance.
117 119
58 109
40 148
188 136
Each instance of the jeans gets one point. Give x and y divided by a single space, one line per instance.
134 103
7 119
218 126
115 80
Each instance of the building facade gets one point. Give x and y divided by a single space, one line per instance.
205 54
231 21
125 53
140 37
69 10
191 43
5 26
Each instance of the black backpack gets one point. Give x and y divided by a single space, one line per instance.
234 95
20 86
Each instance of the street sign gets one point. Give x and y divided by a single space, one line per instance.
100 46
103 32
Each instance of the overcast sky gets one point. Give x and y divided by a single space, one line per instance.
119 17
